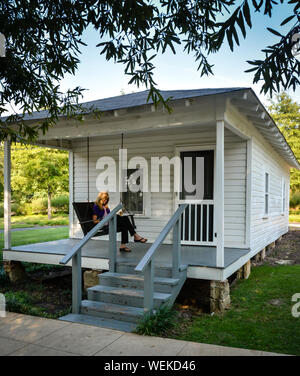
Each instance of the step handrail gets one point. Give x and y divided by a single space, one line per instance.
75 255
146 265
90 234
161 237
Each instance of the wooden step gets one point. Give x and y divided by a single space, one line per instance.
126 296
100 322
118 301
135 281
160 270
112 311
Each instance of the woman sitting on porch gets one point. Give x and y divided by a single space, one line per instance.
124 225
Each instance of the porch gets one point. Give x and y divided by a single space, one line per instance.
200 260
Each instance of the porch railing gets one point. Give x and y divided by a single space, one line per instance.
75 255
197 226
146 265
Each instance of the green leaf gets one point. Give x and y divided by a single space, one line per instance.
247 15
288 19
257 6
229 38
235 36
256 62
240 21
250 70
274 32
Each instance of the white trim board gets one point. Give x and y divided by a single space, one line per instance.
53 259
197 272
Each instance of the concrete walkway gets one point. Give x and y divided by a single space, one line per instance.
34 336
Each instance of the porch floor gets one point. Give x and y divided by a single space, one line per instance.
203 256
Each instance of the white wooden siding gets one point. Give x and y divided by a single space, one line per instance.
163 143
267 228
264 231
235 156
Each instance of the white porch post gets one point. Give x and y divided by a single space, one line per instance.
71 193
219 199
7 194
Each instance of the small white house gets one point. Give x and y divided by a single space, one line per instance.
247 165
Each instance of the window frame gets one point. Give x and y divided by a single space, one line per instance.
128 191
266 194
283 192
146 213
211 182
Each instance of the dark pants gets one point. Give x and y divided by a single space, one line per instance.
124 225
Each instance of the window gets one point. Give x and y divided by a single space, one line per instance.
283 196
267 184
133 201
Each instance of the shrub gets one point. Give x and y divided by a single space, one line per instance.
154 323
16 208
60 204
3 277
37 206
295 200
25 209
32 267
18 302
22 302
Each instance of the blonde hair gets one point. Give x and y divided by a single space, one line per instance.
100 198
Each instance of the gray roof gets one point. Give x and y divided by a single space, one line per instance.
138 99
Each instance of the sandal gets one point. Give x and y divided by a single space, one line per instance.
142 240
125 249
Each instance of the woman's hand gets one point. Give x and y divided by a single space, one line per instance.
95 219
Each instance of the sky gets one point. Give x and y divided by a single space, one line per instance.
104 79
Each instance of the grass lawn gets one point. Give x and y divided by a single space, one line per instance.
294 218
252 321
37 220
35 236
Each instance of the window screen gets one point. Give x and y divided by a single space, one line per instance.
267 183
133 201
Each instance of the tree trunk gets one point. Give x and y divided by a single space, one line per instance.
49 206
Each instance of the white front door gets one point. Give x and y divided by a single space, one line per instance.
197 173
